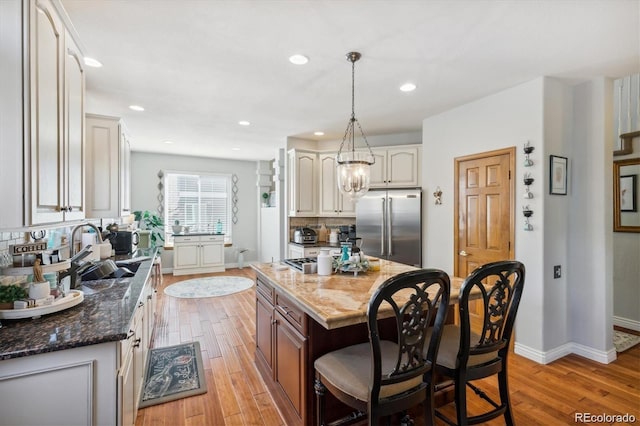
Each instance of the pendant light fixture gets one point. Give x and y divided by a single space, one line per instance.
353 170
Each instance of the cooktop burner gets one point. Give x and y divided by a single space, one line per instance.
297 263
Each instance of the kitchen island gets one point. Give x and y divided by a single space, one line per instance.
85 357
300 317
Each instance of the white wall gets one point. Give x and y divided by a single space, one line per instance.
591 241
505 119
573 313
144 194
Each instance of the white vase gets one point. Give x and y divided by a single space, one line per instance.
39 290
325 262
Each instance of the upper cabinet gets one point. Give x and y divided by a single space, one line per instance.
312 181
331 201
56 117
108 167
302 183
396 167
42 105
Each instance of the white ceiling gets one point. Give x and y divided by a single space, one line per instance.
198 66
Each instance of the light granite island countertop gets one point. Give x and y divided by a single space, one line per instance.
337 300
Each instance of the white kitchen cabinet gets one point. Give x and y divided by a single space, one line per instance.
42 106
302 184
296 251
331 201
56 132
196 254
108 167
397 166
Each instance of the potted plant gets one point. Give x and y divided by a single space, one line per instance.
265 199
152 222
9 294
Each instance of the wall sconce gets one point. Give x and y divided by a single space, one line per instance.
527 212
528 180
438 196
528 149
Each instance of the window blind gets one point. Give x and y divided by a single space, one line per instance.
198 201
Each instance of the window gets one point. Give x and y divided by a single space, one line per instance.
198 201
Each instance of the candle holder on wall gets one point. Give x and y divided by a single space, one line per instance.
528 149
528 180
527 212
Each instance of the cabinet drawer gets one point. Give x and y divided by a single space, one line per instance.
312 252
178 240
265 289
294 315
218 238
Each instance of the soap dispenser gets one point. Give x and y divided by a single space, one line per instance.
219 227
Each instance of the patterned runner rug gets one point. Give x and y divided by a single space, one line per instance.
208 287
623 341
172 373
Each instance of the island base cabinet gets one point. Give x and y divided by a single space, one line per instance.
289 372
39 389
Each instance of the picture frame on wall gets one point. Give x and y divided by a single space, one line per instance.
628 202
557 175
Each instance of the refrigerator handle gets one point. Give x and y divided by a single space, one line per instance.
384 219
389 229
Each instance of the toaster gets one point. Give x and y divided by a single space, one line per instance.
305 236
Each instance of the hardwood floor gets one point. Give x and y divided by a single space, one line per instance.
225 327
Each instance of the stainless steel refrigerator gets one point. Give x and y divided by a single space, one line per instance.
389 221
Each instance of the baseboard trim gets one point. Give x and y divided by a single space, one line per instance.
626 323
603 357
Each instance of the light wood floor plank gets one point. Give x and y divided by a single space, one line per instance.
225 327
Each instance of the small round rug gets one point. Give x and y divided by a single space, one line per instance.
208 287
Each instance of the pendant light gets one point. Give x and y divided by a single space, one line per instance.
354 167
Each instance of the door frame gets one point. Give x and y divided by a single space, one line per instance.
512 199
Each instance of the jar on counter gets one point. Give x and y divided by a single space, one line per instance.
325 262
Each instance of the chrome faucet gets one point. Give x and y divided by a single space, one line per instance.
80 226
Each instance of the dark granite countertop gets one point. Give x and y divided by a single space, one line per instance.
103 316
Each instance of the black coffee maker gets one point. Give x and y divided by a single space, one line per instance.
346 233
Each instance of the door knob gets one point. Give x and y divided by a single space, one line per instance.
463 253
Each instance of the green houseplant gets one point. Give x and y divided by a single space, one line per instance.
11 293
152 222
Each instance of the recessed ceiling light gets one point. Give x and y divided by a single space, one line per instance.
235 149
408 87
168 142
243 123
90 62
298 59
136 107
318 133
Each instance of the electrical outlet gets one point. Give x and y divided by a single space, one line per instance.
557 271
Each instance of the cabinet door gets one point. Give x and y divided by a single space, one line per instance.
290 372
304 187
125 174
126 405
46 47
138 357
328 205
74 132
295 252
186 255
212 254
402 167
102 144
264 331
379 169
